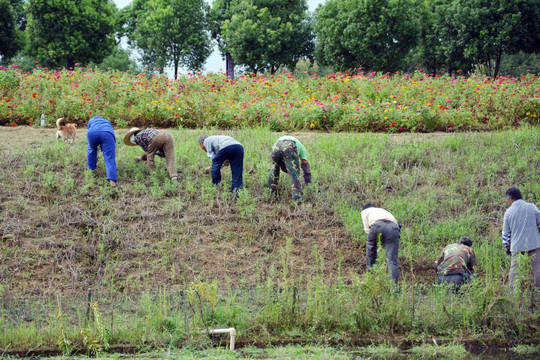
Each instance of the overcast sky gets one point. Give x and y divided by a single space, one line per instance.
215 63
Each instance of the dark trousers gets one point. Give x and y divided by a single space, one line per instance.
455 279
235 155
389 231
105 140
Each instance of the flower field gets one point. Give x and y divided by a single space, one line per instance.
287 101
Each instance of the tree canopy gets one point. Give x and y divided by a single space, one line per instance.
171 32
266 34
369 34
12 22
65 32
481 31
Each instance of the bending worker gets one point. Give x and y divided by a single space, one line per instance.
379 221
221 148
101 133
154 142
289 155
456 263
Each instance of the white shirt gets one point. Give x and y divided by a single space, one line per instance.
372 214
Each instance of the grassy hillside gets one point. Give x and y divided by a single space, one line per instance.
302 270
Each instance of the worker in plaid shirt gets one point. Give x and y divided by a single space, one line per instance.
154 142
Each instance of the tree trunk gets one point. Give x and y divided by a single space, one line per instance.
497 64
229 66
70 63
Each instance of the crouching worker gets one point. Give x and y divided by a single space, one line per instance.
289 155
154 142
100 133
456 263
221 148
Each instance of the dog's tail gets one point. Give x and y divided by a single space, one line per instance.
60 122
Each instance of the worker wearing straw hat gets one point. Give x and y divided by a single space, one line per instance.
154 142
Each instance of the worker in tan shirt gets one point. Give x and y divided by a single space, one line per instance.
379 221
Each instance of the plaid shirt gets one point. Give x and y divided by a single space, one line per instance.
145 137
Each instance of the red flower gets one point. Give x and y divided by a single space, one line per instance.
35 95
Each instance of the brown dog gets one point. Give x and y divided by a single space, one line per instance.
66 131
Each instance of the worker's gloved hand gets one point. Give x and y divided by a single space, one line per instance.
207 170
307 172
283 167
160 153
226 163
141 158
508 250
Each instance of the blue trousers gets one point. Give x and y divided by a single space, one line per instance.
106 141
235 155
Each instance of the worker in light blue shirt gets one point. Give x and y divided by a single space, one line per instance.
521 233
221 148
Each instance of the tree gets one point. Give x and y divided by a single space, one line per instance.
428 53
266 34
12 23
482 31
172 32
64 32
221 11
120 60
372 34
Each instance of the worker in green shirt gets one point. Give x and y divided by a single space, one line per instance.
289 155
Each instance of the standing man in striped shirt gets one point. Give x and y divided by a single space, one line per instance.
521 233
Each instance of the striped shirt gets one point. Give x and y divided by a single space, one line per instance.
145 137
521 227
